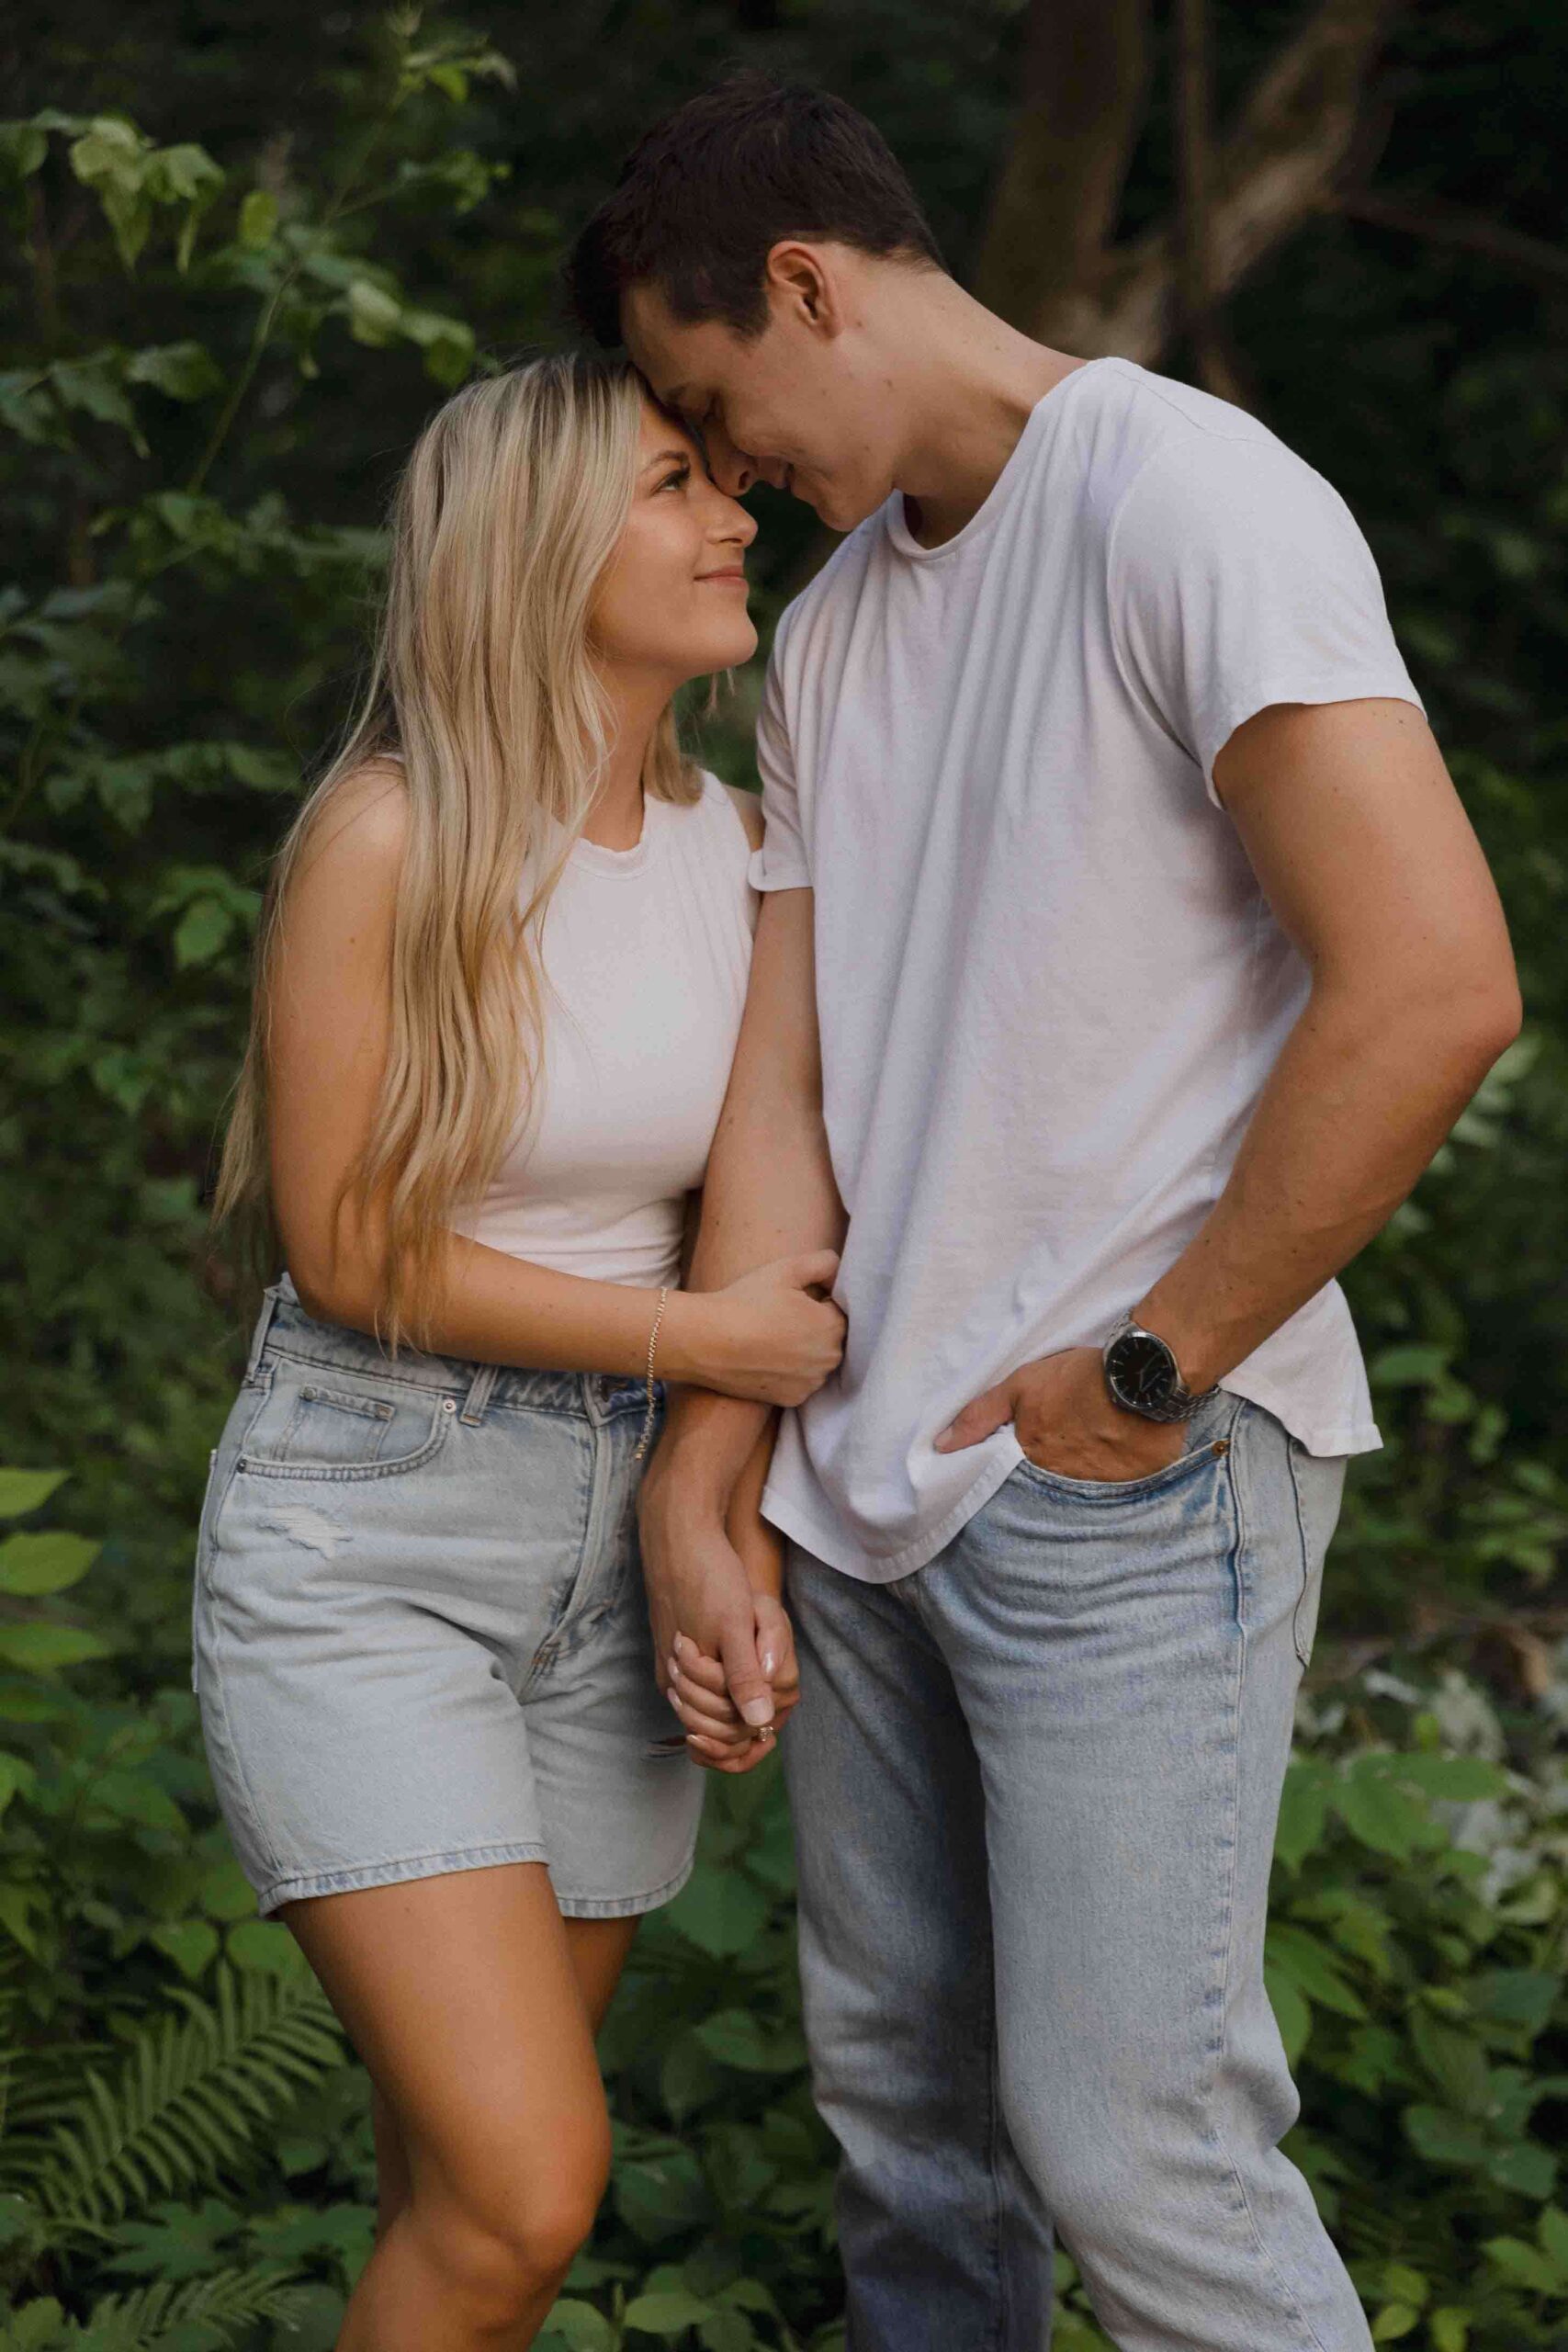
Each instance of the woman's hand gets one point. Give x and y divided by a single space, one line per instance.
716 1736
768 1337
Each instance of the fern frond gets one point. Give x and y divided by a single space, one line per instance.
227 2302
187 2099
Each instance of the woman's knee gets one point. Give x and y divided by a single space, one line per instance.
503 2251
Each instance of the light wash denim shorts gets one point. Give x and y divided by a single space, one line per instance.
421 1640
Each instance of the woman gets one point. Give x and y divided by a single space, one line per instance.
499 988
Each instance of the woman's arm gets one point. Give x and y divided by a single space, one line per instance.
330 1026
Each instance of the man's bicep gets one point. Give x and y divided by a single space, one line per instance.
1360 840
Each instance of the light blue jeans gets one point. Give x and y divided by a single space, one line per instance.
1035 1786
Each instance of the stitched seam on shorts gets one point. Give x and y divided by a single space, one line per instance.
300 1884
242 1789
259 1465
608 1907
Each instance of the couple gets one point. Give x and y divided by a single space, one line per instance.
1115 955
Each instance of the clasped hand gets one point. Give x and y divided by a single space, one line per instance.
704 1613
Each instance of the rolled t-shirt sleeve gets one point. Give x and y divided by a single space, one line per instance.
1237 577
781 863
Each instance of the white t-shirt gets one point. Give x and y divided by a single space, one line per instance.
1050 988
646 954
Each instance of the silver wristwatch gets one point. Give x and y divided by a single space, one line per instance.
1143 1375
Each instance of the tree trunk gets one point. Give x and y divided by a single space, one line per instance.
1047 261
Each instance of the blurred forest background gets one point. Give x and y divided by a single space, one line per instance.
245 253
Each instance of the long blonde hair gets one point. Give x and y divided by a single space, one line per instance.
484 688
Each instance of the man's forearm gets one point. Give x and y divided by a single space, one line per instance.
768 1191
1359 1099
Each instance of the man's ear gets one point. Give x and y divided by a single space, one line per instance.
801 279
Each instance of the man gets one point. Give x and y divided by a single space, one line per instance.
1126 955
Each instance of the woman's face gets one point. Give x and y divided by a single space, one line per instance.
672 600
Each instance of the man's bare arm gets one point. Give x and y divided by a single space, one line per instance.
1368 859
1364 851
769 1174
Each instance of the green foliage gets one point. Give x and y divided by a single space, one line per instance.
237 276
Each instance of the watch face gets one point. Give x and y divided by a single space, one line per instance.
1141 1371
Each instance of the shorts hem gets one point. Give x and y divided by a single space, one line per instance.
307 1884
623 1906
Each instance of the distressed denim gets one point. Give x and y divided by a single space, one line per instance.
421 1635
1035 1786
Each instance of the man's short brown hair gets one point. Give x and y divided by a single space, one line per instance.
705 196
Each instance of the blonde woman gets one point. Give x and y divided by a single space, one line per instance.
499 990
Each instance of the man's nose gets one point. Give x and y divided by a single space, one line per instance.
735 470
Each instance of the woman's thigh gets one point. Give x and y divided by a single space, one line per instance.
463 1995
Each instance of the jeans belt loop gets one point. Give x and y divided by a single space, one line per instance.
477 1397
270 1300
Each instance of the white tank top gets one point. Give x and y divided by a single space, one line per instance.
645 952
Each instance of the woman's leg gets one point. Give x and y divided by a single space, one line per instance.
463 1995
599 1950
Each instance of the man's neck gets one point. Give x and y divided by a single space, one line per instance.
980 382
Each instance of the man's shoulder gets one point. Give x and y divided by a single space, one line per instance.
1164 457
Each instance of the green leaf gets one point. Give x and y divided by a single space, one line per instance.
41 1649
1380 1815
16 1774
48 1562
23 149
1525 2166
669 2313
1521 1996
1394 2321
225 1893
721 1911
1553 2230
133 1797
186 371
581 2326
22 1491
740 2038
191 1944
1450 2329
1457 1780
1291 2014
1522 2264
260 1946
17 1904
201 931
1293 1952
373 315
1303 1814
258 218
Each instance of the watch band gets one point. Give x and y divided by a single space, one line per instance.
1176 1402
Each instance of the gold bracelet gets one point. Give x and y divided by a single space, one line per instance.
641 1447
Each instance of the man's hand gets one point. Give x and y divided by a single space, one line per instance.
697 1585
1065 1420
716 1735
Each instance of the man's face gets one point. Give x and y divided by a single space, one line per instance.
790 408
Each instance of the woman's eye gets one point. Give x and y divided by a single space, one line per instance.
682 476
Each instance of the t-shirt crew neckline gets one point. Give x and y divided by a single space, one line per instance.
997 497
598 859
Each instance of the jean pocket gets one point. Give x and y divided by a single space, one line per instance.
1189 1464
330 1423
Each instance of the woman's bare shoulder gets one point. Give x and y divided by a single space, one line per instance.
363 821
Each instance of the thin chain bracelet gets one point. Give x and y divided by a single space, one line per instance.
641 1447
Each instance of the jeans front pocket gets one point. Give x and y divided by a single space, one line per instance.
1208 1443
327 1422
